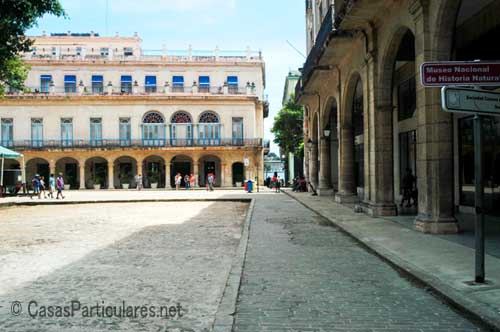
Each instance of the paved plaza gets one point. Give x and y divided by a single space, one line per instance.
151 254
299 273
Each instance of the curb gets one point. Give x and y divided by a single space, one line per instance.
225 315
470 309
160 200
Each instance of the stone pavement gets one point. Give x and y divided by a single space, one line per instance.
303 275
146 254
443 265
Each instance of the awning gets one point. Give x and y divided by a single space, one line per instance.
9 154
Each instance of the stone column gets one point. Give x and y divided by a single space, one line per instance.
111 175
52 167
223 175
434 141
313 165
347 187
167 176
139 167
82 174
324 187
306 164
196 171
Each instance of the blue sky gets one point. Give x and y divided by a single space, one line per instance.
229 24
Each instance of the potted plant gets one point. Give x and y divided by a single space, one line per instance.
124 180
153 178
98 181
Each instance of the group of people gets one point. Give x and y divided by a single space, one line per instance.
299 184
40 187
190 181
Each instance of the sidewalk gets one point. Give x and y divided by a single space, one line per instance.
441 264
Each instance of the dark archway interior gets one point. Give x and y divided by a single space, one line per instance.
357 130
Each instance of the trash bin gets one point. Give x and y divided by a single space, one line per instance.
245 185
249 186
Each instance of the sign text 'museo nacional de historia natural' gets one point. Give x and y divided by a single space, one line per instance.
460 73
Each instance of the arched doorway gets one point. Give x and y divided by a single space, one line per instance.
238 173
154 171
180 164
331 139
38 166
181 129
69 168
404 119
96 173
210 164
124 171
209 129
358 137
153 129
12 174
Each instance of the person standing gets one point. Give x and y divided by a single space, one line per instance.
192 180
187 182
52 185
138 182
408 182
178 180
59 186
278 184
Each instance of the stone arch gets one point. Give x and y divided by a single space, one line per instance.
183 164
96 172
210 163
386 70
69 167
124 171
153 169
355 78
37 165
445 22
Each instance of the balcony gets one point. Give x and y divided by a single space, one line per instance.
166 90
145 143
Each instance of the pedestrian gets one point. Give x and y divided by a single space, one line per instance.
278 184
52 185
211 180
178 180
35 182
274 181
192 181
42 187
187 182
59 186
138 181
408 182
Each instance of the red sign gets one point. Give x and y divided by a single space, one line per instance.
460 73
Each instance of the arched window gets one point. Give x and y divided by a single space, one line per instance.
153 129
181 117
209 117
153 117
209 129
181 130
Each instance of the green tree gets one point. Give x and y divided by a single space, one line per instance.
287 127
17 16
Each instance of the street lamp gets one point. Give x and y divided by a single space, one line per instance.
327 132
309 144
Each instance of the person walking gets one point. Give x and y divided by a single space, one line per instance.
35 182
178 180
59 186
192 180
187 182
138 182
42 187
52 185
408 182
210 181
278 184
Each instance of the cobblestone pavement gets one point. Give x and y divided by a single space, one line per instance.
300 275
157 254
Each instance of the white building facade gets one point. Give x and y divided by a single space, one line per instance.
102 109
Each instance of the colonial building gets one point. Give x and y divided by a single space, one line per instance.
102 109
368 118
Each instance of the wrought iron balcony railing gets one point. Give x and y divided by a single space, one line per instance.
134 143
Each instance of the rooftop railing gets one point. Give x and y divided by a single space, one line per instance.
135 143
162 55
